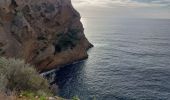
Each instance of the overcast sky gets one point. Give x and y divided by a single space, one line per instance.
123 8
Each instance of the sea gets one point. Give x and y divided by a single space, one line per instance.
130 61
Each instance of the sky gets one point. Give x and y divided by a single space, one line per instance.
124 8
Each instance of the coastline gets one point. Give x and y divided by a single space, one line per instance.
57 67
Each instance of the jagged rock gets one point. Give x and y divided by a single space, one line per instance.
46 33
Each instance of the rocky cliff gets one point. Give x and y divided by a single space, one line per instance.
46 33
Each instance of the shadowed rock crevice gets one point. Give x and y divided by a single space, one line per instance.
46 33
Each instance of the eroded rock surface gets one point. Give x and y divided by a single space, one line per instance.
46 33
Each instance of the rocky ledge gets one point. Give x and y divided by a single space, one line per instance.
45 33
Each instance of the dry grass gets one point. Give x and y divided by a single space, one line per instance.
16 75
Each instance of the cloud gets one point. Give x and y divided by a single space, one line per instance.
126 3
124 8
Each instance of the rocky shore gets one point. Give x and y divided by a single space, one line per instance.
45 33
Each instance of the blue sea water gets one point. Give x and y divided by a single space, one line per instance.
130 61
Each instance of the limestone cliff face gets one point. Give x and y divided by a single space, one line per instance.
46 33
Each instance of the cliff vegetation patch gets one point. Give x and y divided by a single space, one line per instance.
16 76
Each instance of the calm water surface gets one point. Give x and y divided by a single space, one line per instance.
130 61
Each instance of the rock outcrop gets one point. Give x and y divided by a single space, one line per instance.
46 33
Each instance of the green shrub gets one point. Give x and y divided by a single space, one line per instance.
3 83
75 98
18 76
67 40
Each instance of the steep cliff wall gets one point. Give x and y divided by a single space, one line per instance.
46 33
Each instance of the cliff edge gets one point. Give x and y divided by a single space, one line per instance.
45 33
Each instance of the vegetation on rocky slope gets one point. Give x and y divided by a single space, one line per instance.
22 79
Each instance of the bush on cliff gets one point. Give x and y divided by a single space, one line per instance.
17 76
67 40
